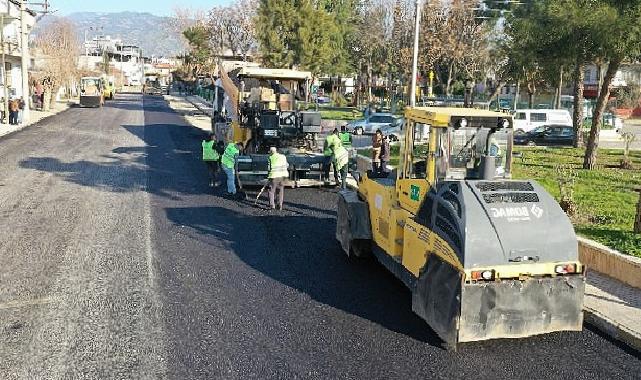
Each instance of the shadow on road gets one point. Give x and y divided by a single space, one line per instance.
125 168
301 252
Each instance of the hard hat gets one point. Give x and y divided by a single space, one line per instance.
273 150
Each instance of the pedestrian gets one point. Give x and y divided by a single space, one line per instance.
3 112
20 109
278 172
229 162
13 111
341 159
385 156
211 158
330 140
377 142
39 96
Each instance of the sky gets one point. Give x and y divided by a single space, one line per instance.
157 7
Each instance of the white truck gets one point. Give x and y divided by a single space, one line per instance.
529 119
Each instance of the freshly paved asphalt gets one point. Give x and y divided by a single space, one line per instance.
118 261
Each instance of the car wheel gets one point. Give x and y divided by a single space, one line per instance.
531 143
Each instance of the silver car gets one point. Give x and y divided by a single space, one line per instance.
376 121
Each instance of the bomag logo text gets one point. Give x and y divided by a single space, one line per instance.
510 212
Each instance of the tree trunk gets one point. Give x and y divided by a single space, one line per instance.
589 161
369 81
496 93
557 104
577 117
530 99
516 94
450 73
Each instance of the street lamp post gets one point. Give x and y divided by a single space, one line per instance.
415 58
24 47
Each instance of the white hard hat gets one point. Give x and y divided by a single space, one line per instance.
273 150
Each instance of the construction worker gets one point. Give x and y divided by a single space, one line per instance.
230 165
277 174
346 137
341 159
211 158
330 140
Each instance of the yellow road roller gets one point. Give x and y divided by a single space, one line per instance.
484 256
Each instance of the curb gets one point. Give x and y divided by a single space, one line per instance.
610 262
614 330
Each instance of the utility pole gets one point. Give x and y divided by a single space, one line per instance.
415 59
5 100
24 47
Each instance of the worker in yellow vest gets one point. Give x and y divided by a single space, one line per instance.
346 137
331 140
211 158
341 161
229 162
278 172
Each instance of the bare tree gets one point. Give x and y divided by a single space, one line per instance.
183 18
60 50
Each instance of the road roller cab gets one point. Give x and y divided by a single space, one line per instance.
484 256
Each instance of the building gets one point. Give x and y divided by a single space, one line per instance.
126 60
11 73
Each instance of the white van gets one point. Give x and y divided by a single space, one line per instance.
529 119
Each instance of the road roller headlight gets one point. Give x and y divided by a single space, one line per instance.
565 268
483 275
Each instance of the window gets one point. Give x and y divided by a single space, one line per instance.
382 119
567 131
520 116
538 117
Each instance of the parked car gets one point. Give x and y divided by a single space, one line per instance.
549 135
376 121
530 119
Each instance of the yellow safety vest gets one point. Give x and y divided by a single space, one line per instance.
209 153
229 157
341 157
346 139
278 166
333 141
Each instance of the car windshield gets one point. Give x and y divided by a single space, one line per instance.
381 119
539 130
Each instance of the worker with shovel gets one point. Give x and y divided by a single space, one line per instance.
230 165
211 158
277 174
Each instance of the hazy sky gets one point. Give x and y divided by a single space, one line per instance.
158 7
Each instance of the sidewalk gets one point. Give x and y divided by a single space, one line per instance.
185 106
614 308
35 116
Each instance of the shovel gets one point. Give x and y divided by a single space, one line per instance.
260 193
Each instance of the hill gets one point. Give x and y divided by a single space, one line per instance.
152 33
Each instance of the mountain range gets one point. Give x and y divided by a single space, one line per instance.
152 33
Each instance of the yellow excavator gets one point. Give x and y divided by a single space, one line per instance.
484 256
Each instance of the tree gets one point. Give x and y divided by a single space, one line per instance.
60 48
619 37
301 33
200 56
276 24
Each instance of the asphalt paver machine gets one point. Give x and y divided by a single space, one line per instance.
484 256
266 113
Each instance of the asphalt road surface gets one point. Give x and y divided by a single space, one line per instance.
118 262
